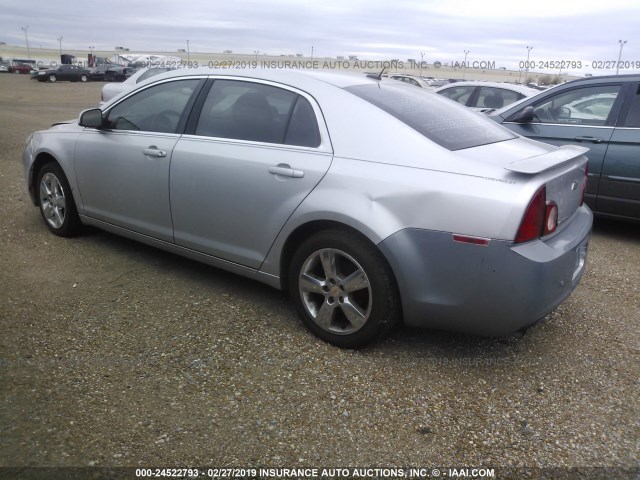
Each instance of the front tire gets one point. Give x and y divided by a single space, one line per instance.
53 78
83 78
57 206
343 289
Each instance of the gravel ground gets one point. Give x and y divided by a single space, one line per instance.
113 353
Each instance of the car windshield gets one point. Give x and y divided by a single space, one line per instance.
451 126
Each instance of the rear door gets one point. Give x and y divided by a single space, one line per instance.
249 157
583 116
619 192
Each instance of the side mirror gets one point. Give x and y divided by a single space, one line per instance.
523 116
91 118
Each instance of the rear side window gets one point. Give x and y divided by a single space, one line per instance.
451 126
303 128
633 115
256 112
458 94
489 97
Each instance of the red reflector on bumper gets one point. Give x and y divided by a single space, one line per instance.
473 240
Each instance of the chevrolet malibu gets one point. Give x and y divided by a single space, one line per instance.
372 203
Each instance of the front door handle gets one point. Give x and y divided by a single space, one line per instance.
590 139
284 170
154 152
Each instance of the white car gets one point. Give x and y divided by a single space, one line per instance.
485 96
411 80
110 90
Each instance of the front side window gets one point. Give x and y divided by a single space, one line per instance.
580 106
155 109
256 112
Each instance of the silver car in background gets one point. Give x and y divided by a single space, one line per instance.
372 203
485 96
112 90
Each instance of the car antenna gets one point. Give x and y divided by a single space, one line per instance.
377 76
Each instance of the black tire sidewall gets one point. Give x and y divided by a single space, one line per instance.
71 224
385 312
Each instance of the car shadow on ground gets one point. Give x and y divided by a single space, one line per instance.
418 342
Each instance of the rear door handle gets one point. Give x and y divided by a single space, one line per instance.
590 139
154 152
284 170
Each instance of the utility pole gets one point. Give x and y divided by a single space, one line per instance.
421 62
621 42
60 42
466 52
188 53
527 65
26 37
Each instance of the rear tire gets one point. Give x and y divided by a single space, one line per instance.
83 78
57 207
344 289
53 78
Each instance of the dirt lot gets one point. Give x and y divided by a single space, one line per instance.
113 353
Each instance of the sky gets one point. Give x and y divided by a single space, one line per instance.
584 31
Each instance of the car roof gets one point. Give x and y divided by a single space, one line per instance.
631 77
295 78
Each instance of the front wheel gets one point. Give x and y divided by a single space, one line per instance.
53 78
57 206
344 289
84 78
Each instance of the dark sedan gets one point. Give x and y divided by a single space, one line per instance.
602 113
110 73
72 73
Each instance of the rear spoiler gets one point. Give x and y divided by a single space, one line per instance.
547 161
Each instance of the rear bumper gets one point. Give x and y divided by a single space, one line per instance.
486 290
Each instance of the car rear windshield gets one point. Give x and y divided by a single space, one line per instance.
442 121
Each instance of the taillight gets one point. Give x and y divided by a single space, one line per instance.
584 183
540 218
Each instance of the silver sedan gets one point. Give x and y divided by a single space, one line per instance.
372 203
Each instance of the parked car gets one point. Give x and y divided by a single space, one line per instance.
110 90
119 73
437 82
370 202
110 73
602 113
72 73
483 96
414 80
20 68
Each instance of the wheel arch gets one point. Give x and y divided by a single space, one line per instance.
308 229
40 161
